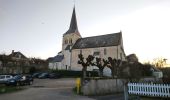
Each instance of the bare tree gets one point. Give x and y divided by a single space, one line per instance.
101 65
159 62
114 65
85 63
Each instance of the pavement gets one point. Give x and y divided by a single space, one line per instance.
54 89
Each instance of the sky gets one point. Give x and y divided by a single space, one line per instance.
36 27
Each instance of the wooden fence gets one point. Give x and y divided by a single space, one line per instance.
149 89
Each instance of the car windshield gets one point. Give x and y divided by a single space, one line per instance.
17 77
8 76
44 74
2 77
35 74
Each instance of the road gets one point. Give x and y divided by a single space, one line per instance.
54 89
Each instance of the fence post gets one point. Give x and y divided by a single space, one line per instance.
125 90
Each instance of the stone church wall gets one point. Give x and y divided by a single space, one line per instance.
113 51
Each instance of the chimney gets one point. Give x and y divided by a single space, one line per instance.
12 51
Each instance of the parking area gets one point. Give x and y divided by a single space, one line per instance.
54 83
53 89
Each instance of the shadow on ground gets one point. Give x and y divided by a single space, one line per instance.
119 96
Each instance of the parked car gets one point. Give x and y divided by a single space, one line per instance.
28 80
54 75
20 80
14 81
4 78
35 75
43 76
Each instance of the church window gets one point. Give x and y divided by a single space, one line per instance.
97 53
105 52
66 41
70 41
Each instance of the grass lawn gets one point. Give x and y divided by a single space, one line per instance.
9 89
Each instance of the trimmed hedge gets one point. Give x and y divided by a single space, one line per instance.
70 73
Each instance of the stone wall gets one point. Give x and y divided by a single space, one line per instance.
102 86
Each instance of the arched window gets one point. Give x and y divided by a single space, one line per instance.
66 41
70 40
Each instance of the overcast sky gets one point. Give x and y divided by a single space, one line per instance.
35 27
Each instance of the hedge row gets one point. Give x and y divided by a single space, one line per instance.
70 73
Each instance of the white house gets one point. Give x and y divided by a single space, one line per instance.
56 62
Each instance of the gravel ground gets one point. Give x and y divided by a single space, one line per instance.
54 89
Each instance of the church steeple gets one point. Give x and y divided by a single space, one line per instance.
73 24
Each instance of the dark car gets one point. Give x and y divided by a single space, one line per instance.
14 81
43 75
20 80
54 75
35 75
28 80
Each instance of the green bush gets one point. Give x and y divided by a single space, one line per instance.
8 89
70 73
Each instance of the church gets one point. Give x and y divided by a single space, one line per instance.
103 46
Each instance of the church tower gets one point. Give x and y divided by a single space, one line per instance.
69 39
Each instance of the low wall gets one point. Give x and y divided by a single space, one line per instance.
102 86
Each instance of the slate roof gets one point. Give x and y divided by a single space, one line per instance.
16 54
50 59
58 58
98 41
68 47
73 24
155 69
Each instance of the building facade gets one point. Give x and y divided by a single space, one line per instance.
14 63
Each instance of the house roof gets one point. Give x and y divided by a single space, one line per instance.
155 69
50 59
16 54
73 24
98 41
58 58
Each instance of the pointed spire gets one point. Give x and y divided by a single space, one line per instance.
73 24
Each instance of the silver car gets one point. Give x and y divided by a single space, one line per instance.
4 78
